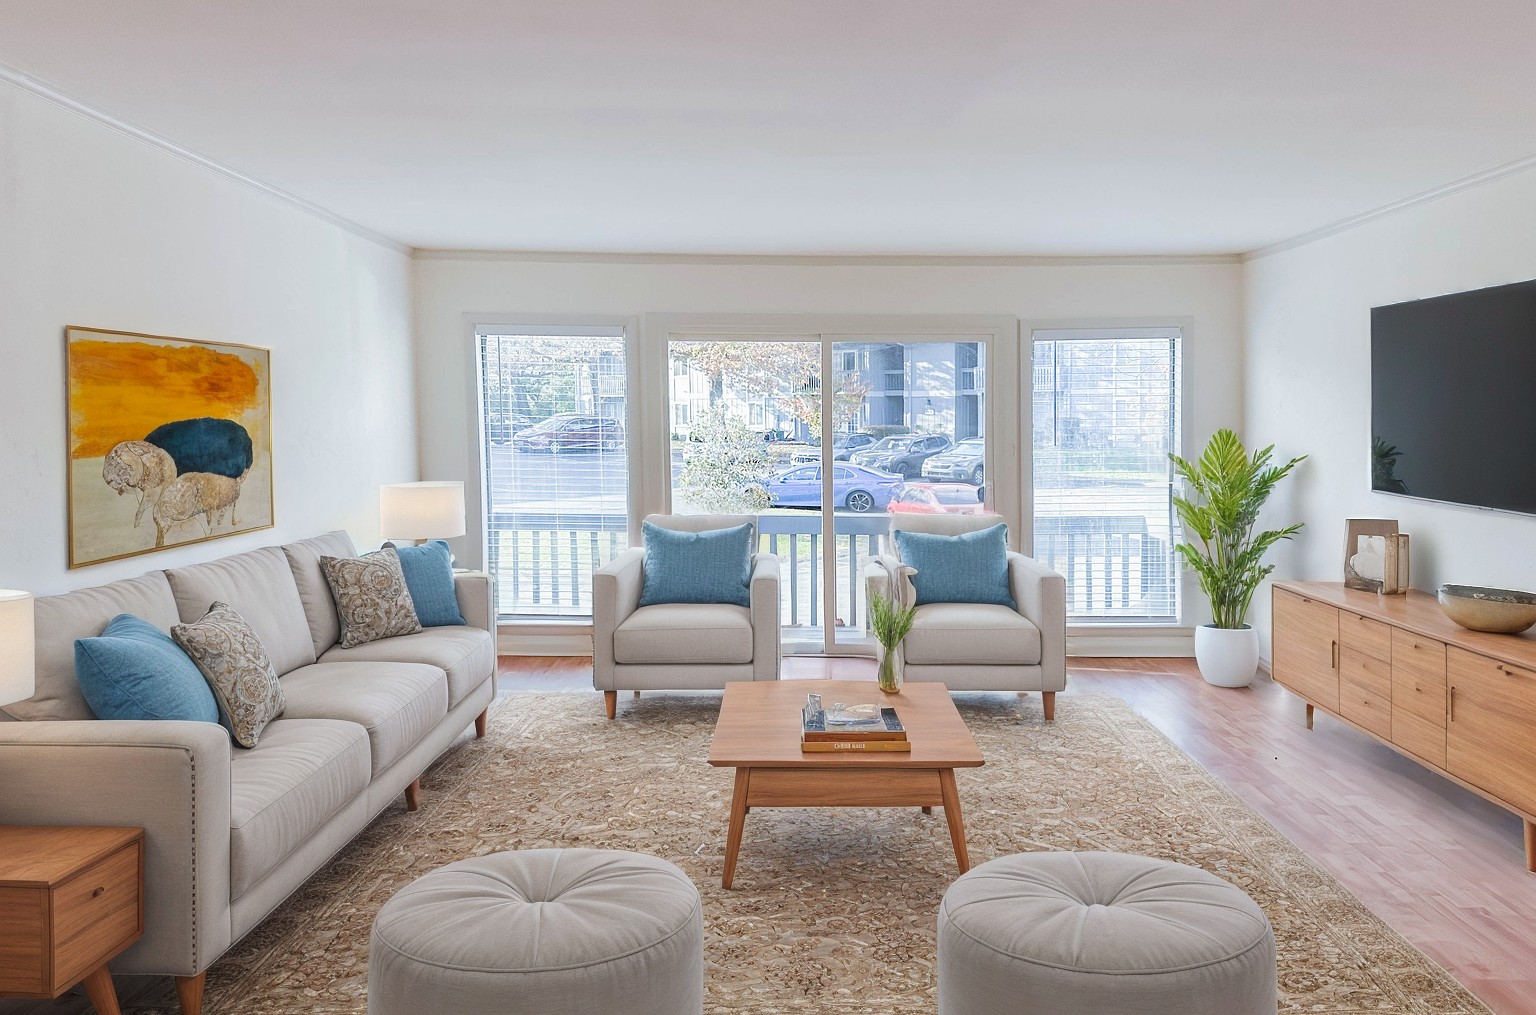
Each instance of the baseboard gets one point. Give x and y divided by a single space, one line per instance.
1160 645
511 642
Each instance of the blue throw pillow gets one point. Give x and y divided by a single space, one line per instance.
969 568
428 571
714 566
135 671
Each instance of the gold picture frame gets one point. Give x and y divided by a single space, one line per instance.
170 442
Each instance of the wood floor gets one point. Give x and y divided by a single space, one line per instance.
1441 865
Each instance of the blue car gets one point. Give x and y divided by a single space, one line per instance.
853 487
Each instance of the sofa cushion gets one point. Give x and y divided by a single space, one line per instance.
969 634
371 596
238 669
685 633
967 568
713 566
260 587
314 592
467 654
85 613
133 670
287 788
397 703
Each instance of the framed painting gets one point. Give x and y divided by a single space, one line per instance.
170 442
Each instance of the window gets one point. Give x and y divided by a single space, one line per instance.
556 464
1106 416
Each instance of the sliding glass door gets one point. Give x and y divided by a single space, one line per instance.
825 437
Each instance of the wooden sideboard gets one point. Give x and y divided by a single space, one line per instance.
1462 703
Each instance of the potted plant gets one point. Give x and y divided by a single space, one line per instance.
891 621
1229 487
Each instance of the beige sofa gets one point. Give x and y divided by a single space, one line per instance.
681 646
230 833
973 647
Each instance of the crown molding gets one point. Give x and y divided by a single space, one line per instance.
1414 201
27 83
829 260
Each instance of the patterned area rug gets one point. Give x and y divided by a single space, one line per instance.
833 910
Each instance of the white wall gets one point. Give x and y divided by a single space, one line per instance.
448 288
1307 379
101 230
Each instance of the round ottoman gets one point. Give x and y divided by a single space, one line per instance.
541 932
1102 934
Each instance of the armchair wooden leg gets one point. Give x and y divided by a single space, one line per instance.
1049 698
611 703
480 721
413 794
637 694
189 991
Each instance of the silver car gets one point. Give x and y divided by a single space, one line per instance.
962 463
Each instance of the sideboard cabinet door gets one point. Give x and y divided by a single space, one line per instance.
1489 738
1306 648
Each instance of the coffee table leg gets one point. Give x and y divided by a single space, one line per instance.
738 822
98 987
952 815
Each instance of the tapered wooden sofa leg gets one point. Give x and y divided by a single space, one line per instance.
413 794
480 721
1049 699
189 991
611 703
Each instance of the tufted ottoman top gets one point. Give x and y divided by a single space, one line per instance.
538 910
1103 913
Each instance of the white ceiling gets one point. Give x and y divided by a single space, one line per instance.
814 126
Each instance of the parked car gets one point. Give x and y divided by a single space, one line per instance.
962 462
903 454
853 487
501 431
937 499
570 431
843 446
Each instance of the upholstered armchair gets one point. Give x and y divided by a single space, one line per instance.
681 646
977 647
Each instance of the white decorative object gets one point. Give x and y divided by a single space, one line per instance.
432 510
1227 656
17 656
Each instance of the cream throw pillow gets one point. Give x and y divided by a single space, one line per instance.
237 667
371 596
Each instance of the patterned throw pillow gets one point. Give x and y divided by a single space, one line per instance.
237 667
371 596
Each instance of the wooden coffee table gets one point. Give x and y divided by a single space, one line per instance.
759 735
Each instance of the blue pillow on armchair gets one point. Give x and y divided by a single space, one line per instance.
133 670
968 568
713 566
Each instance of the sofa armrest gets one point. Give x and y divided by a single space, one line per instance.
616 588
763 602
169 778
1041 595
477 602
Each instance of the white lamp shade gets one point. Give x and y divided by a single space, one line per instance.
18 675
421 510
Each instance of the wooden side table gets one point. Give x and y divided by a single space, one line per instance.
71 899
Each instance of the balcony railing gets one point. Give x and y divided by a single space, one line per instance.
542 563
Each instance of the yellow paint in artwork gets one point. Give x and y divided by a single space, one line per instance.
120 391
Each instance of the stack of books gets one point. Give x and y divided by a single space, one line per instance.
818 733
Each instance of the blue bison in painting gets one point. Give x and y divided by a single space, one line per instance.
221 447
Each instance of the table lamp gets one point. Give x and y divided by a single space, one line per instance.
18 675
421 511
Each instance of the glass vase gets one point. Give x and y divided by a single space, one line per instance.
891 667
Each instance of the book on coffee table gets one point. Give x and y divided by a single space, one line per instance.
818 727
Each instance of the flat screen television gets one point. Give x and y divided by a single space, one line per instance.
1453 398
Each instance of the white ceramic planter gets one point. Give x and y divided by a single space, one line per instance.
1227 657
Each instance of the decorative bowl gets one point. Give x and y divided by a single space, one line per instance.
1499 611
